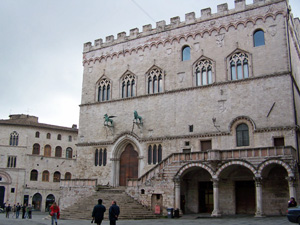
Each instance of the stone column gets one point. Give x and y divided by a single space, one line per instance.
115 172
177 192
259 211
292 187
216 211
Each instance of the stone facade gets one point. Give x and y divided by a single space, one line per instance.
28 149
196 83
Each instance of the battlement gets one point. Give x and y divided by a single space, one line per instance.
190 18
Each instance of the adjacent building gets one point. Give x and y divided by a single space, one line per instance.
35 157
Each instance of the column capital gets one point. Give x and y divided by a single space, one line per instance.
291 181
114 159
177 179
258 181
215 182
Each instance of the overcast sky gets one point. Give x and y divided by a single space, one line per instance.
41 43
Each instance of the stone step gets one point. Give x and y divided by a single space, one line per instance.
130 209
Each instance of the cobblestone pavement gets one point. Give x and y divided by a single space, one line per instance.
42 218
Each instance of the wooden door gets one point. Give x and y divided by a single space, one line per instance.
128 165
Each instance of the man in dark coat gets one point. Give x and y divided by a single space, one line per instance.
98 212
114 212
7 209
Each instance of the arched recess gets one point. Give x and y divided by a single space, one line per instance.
275 185
235 179
196 188
124 142
247 119
49 201
37 201
5 181
250 126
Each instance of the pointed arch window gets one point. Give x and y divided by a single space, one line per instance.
239 66
204 72
155 81
186 53
100 157
14 139
258 38
128 85
104 90
242 135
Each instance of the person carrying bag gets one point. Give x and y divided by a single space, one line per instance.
54 213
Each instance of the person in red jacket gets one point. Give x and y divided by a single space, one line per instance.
54 213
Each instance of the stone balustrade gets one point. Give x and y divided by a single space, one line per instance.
216 155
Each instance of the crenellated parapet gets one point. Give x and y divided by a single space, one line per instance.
176 23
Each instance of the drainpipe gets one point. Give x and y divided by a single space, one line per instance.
292 81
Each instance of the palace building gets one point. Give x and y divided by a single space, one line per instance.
216 102
200 115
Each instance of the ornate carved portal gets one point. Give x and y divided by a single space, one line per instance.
128 165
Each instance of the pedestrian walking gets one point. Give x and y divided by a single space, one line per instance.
54 213
24 211
29 211
114 212
14 209
18 207
7 209
98 212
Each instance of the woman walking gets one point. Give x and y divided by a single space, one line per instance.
54 213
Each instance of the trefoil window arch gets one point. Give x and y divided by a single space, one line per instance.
128 85
14 139
104 90
204 72
155 81
239 66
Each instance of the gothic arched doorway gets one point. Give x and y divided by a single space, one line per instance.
128 165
